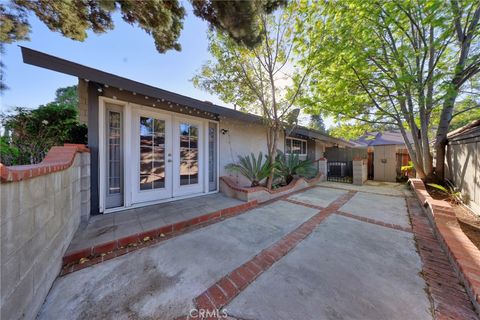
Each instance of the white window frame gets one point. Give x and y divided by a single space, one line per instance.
301 140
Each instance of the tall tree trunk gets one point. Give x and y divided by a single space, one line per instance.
441 138
272 153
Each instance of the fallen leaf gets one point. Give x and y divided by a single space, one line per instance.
83 260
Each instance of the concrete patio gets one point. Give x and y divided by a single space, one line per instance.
112 226
324 253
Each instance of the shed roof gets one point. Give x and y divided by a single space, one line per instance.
54 63
393 137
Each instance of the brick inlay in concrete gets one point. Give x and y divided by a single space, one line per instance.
222 292
373 221
449 297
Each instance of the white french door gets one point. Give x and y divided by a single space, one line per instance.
187 156
151 157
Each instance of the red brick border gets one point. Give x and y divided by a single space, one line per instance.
57 159
462 253
303 203
228 287
450 301
373 221
109 250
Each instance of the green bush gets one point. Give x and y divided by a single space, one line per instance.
30 133
251 167
290 166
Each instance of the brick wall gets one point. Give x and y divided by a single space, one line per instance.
41 208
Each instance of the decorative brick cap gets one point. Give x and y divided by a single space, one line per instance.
462 252
57 159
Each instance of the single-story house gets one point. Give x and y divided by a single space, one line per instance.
386 154
149 145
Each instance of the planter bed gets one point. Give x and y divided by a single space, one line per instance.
261 194
462 252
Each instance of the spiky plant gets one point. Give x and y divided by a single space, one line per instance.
289 166
255 169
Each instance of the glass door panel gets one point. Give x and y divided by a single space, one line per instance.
114 181
188 154
152 150
152 153
188 157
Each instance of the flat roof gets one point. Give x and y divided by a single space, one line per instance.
47 61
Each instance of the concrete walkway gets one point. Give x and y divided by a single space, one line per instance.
108 227
349 259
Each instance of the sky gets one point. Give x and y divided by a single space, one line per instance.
126 51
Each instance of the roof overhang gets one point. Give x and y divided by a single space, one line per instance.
46 61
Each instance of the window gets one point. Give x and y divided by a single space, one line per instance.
295 146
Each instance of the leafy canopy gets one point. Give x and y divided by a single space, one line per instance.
162 19
391 63
31 133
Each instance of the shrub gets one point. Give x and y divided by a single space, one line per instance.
289 166
30 133
251 167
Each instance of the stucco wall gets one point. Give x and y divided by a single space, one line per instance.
242 139
463 168
38 219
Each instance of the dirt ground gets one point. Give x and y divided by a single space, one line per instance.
469 222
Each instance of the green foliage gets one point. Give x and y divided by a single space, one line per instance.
162 19
9 154
265 80
255 169
289 166
395 63
453 195
31 133
316 123
239 19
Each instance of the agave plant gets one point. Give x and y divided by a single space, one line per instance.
289 166
453 195
251 167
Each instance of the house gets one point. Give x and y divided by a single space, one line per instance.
386 154
463 162
149 145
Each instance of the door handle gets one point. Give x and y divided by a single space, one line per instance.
169 160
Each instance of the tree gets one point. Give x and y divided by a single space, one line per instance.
397 63
29 134
316 122
162 19
263 80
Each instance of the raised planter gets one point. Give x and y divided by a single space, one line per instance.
463 254
262 194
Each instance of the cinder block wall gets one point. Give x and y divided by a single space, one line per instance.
38 219
360 172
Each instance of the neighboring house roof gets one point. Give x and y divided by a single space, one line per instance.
50 62
471 130
371 139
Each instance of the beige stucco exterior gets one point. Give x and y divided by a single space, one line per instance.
240 139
